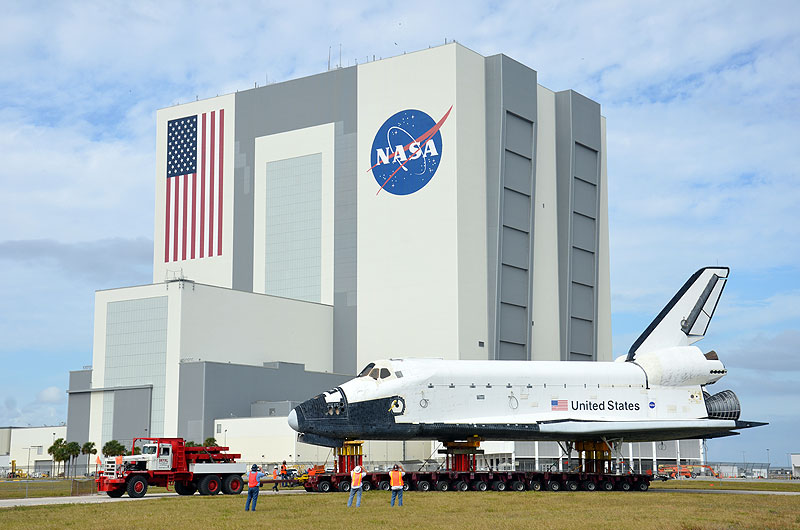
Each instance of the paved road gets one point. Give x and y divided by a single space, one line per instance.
99 498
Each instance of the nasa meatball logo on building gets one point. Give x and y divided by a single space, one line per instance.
406 151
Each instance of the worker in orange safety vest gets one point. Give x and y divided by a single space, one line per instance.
356 481
396 482
275 478
253 485
284 475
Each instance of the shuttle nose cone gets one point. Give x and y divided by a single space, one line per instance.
292 419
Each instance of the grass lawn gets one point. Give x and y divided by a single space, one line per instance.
467 510
711 484
18 489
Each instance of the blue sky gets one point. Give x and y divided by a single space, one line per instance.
702 101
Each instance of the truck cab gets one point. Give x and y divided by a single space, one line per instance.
158 456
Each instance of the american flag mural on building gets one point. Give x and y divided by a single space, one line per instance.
194 178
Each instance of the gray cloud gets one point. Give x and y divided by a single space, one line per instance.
762 353
96 262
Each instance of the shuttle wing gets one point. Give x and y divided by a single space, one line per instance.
643 431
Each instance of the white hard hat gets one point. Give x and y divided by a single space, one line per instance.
357 469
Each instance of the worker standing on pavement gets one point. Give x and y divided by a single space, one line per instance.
253 485
356 476
284 475
396 481
275 478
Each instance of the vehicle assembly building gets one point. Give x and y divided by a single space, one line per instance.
435 204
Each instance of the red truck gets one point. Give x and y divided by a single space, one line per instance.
168 461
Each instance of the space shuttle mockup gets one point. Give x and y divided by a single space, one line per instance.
656 392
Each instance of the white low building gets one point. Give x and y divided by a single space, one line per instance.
26 448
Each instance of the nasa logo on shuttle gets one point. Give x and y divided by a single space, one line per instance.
652 404
407 151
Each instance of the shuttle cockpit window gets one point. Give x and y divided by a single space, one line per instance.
385 373
375 373
366 370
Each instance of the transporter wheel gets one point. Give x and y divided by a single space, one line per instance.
571 485
366 485
137 486
461 485
423 485
210 485
232 485
442 485
185 488
480 485
384 485
499 485
553 485
624 485
116 494
693 475
518 485
589 485
536 485
324 486
406 486
643 485
607 485
344 486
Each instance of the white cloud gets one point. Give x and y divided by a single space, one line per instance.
51 394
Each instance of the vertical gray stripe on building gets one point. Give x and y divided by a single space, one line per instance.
578 136
330 97
511 146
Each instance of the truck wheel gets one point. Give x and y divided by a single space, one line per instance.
643 485
499 485
209 485
607 485
344 486
461 485
384 485
137 486
625 485
423 485
536 485
571 485
589 485
232 485
442 485
406 486
553 485
518 485
185 488
480 485
116 494
366 485
324 486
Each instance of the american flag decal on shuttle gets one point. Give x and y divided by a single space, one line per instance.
558 404
194 177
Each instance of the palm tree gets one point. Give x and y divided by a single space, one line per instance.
113 448
210 442
55 451
88 449
72 450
